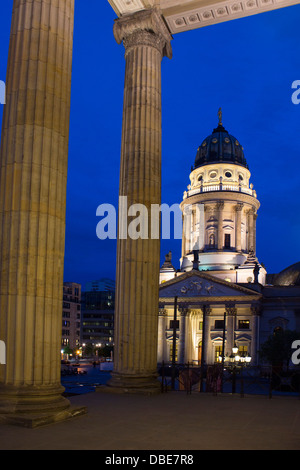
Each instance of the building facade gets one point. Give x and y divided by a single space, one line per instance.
98 307
222 297
71 315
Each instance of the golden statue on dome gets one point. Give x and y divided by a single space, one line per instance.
220 114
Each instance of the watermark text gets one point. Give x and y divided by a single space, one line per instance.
296 94
2 353
159 221
2 93
296 354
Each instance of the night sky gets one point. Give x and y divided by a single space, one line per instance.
245 66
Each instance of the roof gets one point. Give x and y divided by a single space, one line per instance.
220 147
290 276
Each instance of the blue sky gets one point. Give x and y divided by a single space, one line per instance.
246 66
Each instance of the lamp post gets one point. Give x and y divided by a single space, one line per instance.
236 361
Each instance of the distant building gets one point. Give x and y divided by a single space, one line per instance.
101 285
98 305
71 315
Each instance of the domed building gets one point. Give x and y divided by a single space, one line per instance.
220 210
289 276
224 297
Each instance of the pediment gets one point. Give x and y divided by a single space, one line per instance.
198 284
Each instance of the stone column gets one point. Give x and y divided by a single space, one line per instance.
256 313
206 311
254 233
162 313
220 207
201 233
231 312
182 331
183 249
146 40
251 230
238 227
33 177
187 228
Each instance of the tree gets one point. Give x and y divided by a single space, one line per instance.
67 350
106 351
277 350
89 350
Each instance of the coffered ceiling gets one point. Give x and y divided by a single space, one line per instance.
183 15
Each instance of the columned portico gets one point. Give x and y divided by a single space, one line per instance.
209 301
33 177
33 174
146 40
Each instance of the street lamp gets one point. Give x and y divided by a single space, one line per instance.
237 361
248 359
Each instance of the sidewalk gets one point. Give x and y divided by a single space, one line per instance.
170 421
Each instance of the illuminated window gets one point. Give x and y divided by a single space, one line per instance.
218 353
243 350
244 324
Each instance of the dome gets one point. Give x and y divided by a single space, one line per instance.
289 276
220 147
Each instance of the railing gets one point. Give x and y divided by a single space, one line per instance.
219 187
241 380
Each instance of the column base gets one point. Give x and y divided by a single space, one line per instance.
44 419
131 384
35 406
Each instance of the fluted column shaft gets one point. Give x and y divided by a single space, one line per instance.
182 333
254 232
33 177
161 334
251 230
146 40
238 228
231 320
220 207
255 321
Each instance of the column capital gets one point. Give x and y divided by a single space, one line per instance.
256 309
145 27
251 211
230 308
206 309
183 309
239 207
162 312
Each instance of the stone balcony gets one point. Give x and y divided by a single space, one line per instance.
218 187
